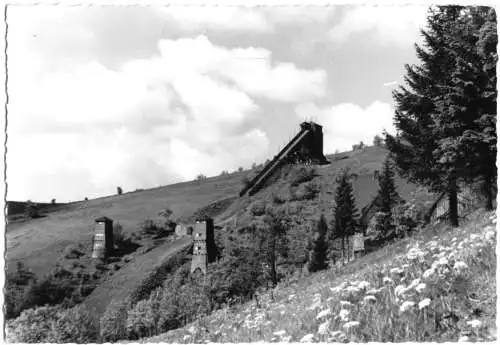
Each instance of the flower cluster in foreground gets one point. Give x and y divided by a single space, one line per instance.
422 294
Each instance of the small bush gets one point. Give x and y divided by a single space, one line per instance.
300 175
258 208
279 199
200 177
114 321
118 235
307 191
246 181
51 324
31 211
73 251
119 190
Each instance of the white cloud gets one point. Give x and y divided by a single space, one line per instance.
389 24
251 69
149 122
346 124
261 20
191 18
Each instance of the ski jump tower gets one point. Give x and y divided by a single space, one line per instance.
305 147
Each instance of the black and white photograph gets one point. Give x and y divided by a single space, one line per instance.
236 173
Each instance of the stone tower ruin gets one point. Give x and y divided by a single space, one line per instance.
204 245
102 245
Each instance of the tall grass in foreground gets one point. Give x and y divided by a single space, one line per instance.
426 288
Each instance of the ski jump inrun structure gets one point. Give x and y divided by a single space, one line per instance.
305 147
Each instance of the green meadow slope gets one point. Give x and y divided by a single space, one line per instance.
40 242
437 285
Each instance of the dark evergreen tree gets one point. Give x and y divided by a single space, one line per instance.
467 105
318 254
346 215
438 112
387 196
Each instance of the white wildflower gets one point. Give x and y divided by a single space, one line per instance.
337 334
428 273
489 236
192 329
414 283
388 280
460 267
338 288
345 304
399 290
432 244
292 296
307 338
424 303
323 328
406 306
420 287
463 339
352 289
343 314
316 304
373 291
323 313
442 262
363 285
370 298
351 324
474 323
396 270
280 333
414 253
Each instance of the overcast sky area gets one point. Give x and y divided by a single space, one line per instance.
143 97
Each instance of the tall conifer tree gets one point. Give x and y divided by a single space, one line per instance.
438 112
346 215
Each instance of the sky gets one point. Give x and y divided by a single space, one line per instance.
140 97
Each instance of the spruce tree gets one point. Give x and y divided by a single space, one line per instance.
444 127
467 105
387 196
346 215
318 261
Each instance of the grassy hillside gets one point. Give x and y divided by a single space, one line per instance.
438 285
40 242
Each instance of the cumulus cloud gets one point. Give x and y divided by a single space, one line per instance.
346 124
150 121
260 20
389 24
